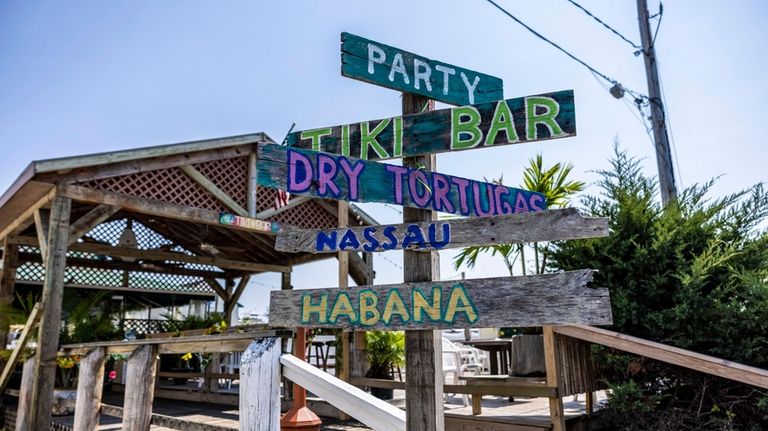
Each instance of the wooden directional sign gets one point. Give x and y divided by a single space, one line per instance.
323 175
400 70
502 122
548 299
249 223
552 225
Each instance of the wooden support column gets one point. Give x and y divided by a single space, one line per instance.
285 284
42 217
229 286
423 349
7 279
253 203
234 296
23 410
343 257
90 382
552 365
140 388
50 324
260 386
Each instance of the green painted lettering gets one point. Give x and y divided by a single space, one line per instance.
315 135
368 138
547 118
345 140
465 132
397 125
459 302
308 308
502 121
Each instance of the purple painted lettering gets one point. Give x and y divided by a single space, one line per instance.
461 186
416 179
299 172
479 202
398 171
440 188
535 201
500 194
353 175
521 206
326 173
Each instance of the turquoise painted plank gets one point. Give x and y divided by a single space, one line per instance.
391 67
329 176
504 122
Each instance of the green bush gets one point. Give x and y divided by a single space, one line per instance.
693 275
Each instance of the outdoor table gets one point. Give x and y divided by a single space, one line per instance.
500 353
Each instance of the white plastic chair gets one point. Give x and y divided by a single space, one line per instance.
454 366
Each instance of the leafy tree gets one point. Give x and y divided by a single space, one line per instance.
693 275
553 183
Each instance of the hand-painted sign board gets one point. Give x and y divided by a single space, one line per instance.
391 67
552 225
502 122
548 299
330 176
249 223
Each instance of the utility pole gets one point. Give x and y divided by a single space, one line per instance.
658 116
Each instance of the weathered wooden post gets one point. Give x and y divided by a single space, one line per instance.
48 334
23 410
90 383
7 280
552 364
140 388
260 386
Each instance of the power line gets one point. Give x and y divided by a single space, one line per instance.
604 24
561 49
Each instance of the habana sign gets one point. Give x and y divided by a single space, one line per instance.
502 122
552 225
323 175
548 299
390 67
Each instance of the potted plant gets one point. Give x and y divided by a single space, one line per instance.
384 350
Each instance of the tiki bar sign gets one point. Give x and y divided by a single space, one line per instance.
329 176
506 301
501 122
390 67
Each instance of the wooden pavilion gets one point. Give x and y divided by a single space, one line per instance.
175 223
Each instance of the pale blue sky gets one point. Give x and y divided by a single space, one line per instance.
94 76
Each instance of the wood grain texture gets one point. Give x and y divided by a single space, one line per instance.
371 411
29 326
260 386
448 87
157 208
213 189
90 383
140 389
299 172
553 367
23 416
535 300
50 322
7 280
551 225
90 220
42 216
669 354
482 126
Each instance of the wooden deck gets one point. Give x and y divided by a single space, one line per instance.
523 414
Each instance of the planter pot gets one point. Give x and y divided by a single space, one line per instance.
383 393
527 355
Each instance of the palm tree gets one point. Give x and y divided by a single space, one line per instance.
553 183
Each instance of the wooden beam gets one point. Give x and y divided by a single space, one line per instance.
167 256
669 354
213 189
217 288
91 219
90 382
126 266
152 207
235 296
25 219
42 217
363 406
140 388
552 225
260 386
7 281
359 270
252 187
23 415
50 323
292 203
553 367
28 328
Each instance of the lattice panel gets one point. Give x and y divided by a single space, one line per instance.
143 326
309 215
168 185
230 175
